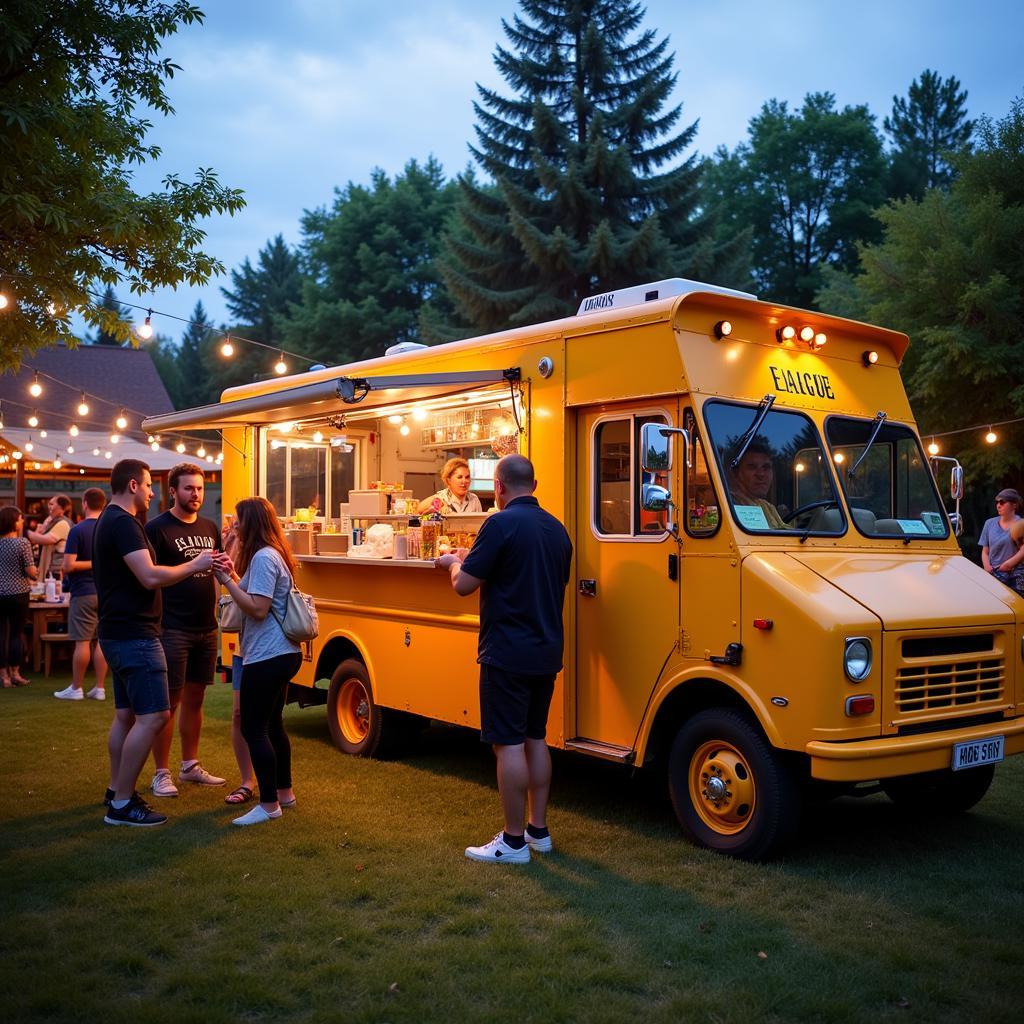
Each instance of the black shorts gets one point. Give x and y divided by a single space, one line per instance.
191 657
513 707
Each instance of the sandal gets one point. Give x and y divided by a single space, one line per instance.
241 795
20 680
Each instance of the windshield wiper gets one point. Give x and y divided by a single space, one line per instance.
744 443
879 421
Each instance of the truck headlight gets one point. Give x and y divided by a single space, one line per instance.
857 658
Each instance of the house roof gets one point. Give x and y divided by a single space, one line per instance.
112 378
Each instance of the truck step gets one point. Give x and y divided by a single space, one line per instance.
607 751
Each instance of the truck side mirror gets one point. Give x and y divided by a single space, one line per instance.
956 483
656 449
654 498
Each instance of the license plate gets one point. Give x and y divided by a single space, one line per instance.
977 752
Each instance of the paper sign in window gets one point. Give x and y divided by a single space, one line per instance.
752 517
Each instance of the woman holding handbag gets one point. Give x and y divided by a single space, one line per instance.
269 658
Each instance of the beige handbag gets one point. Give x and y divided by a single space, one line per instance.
300 623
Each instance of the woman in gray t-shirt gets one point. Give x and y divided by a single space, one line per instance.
1001 554
269 658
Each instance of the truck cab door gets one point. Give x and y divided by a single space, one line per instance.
627 573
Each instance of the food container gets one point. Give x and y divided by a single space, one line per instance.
331 543
431 531
300 541
367 503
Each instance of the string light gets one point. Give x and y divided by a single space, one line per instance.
73 430
71 449
180 447
56 462
83 406
114 438
121 421
35 388
201 452
28 444
4 301
227 350
933 448
155 445
280 367
16 455
404 429
145 331
33 419
991 437
95 451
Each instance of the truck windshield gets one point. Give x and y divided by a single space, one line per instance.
892 492
783 483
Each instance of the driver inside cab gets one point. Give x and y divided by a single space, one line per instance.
751 482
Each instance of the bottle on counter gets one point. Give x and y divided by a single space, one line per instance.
414 538
50 587
58 586
431 531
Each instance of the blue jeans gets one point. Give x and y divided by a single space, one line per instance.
139 669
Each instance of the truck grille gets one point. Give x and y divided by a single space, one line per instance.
929 685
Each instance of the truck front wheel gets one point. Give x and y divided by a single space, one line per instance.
943 792
731 791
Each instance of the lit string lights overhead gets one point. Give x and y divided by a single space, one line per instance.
990 437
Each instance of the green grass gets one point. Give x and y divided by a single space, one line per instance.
359 905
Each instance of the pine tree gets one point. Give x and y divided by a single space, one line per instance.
579 203
191 364
927 127
262 294
109 302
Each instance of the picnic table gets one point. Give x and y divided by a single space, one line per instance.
46 614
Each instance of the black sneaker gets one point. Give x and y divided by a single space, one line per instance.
135 812
107 797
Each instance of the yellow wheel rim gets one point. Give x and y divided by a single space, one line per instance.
354 710
722 789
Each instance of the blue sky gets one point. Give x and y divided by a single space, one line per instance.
289 100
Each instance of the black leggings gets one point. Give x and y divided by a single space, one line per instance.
13 612
260 705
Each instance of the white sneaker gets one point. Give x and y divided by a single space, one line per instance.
257 816
497 851
538 845
69 693
200 776
162 784
97 693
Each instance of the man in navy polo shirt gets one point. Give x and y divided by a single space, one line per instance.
520 563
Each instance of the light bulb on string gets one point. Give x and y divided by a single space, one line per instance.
28 444
17 455
115 438
991 437
404 429
933 448
42 433
201 452
280 367
4 301
180 447
227 350
108 455
33 419
121 421
145 330
155 445
95 451
56 462
209 458
35 388
71 449
73 430
83 406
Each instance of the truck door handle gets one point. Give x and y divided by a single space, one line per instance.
588 588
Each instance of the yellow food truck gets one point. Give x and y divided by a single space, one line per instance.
767 594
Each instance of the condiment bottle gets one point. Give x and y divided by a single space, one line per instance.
50 587
414 536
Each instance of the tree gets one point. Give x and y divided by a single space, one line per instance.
71 77
263 294
926 127
807 183
580 202
191 359
110 303
948 272
370 262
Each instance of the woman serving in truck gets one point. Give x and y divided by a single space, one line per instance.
455 496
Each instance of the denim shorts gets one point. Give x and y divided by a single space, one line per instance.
139 669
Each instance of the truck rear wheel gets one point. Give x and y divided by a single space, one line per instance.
358 725
731 791
944 792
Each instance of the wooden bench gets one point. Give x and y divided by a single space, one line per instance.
48 640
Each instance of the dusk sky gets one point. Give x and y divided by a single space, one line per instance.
289 100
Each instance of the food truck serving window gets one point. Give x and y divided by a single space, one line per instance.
890 489
302 473
618 477
781 482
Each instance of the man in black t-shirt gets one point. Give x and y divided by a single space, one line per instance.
520 562
189 634
128 583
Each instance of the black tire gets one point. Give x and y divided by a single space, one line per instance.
944 792
359 726
751 808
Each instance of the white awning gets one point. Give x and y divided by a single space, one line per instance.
55 445
326 397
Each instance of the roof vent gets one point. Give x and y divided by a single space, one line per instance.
404 346
641 293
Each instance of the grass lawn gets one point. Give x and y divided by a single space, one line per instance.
359 905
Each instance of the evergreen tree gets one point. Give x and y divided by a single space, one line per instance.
926 127
195 342
580 203
109 303
262 295
372 279
807 183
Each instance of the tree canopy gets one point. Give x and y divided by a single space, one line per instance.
579 202
72 77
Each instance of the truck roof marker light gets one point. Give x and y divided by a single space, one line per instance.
820 340
723 329
765 624
860 705
807 333
787 333
870 357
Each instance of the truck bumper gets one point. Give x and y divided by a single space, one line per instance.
886 757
